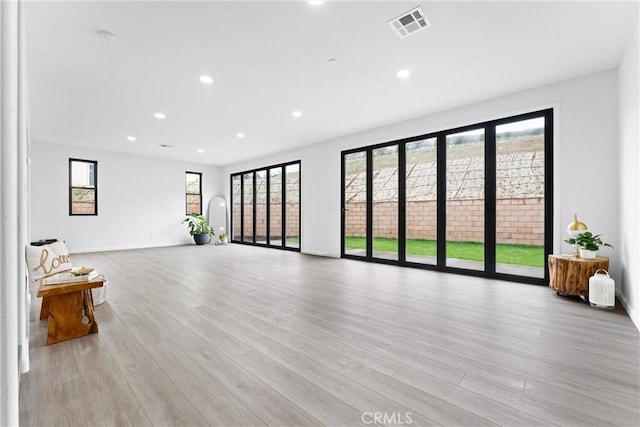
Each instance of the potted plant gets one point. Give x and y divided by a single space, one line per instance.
222 239
588 244
199 228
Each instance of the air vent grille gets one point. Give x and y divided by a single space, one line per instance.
410 22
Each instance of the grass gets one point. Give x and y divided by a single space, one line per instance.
529 255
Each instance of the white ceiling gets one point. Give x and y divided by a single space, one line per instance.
270 58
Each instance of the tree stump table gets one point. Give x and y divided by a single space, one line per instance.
569 275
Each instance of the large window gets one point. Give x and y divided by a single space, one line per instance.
83 187
474 200
193 185
266 206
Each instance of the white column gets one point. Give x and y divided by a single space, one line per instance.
24 297
10 249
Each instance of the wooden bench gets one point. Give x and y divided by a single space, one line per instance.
66 305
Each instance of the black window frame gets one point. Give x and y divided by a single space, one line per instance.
490 200
187 194
240 239
94 187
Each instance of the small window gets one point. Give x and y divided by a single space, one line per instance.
194 192
83 187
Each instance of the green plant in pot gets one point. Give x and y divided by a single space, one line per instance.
199 228
588 244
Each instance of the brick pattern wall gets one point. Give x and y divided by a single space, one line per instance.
519 221
193 207
83 208
292 224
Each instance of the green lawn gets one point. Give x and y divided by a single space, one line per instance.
506 253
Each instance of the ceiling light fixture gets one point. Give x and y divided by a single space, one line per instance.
207 80
166 145
160 116
297 113
240 135
403 74
315 2
131 138
200 150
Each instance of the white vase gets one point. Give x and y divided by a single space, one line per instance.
587 254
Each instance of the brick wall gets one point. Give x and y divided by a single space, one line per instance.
292 215
83 208
193 207
519 221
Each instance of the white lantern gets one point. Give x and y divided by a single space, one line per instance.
602 290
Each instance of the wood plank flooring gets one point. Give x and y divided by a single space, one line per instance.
246 336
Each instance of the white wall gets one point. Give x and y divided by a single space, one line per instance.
141 200
585 168
629 179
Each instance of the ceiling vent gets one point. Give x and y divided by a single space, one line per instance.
410 22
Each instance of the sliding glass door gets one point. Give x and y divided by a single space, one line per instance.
275 206
465 203
473 200
421 207
520 197
247 208
385 202
354 206
292 201
266 206
236 206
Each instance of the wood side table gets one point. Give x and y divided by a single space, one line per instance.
569 275
66 305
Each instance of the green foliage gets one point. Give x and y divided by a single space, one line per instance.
530 255
587 240
197 224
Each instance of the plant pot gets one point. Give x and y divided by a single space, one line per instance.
202 239
587 254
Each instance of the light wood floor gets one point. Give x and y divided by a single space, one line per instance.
248 336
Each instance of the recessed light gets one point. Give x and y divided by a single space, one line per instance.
160 116
131 138
315 2
240 135
297 113
333 61
207 80
200 150
403 74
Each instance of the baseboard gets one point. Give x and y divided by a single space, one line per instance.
322 254
632 313
124 248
